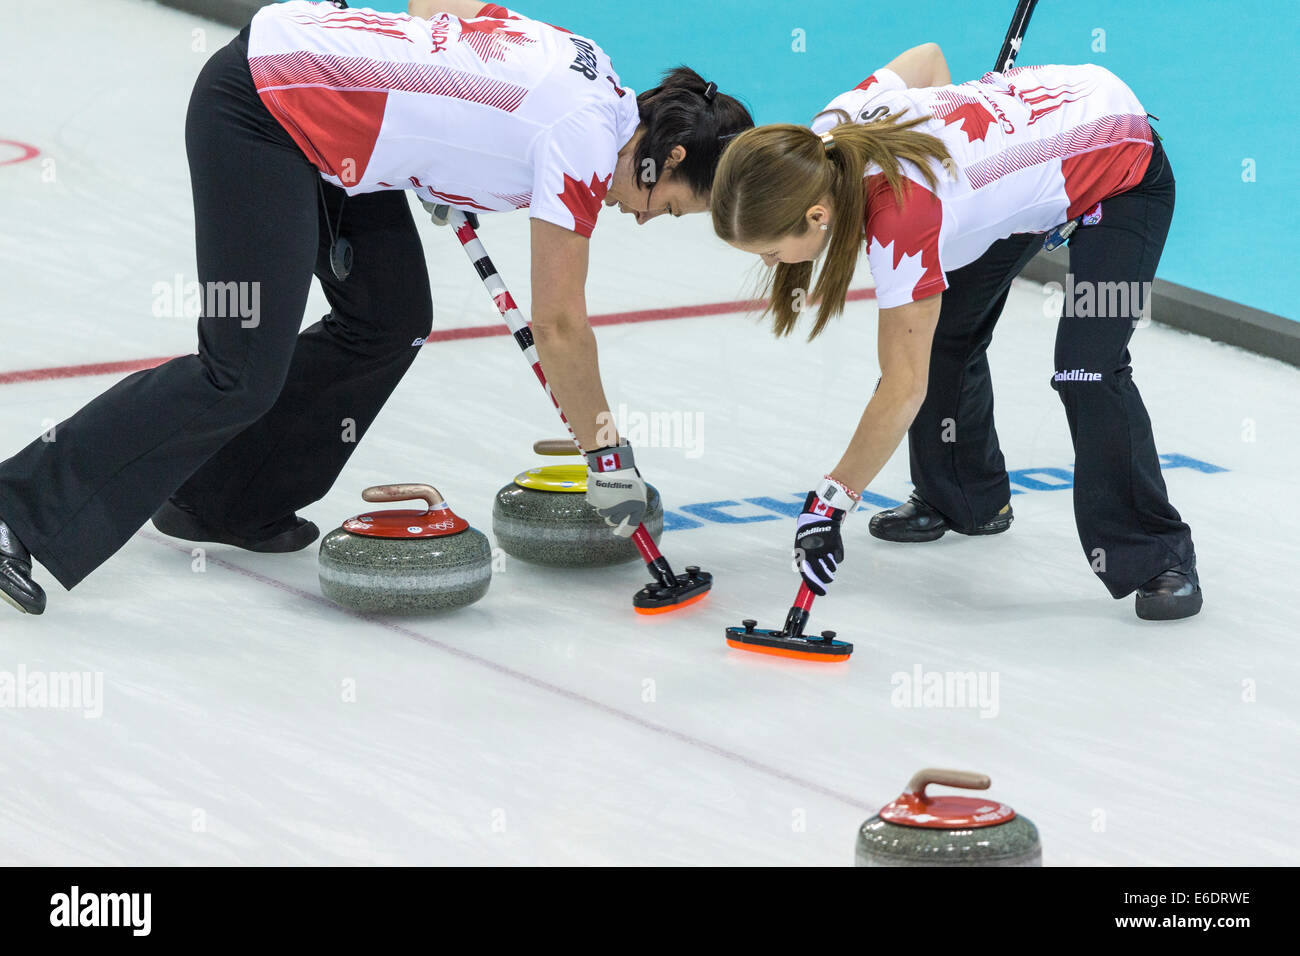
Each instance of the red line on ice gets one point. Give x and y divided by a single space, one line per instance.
443 335
27 150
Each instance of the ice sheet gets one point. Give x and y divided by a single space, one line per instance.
247 720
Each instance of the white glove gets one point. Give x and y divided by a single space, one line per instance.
615 488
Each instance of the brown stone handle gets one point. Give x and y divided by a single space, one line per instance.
947 778
405 492
556 446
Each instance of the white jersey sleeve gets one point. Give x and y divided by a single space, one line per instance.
574 160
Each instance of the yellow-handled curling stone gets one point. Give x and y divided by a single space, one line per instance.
918 829
543 517
405 561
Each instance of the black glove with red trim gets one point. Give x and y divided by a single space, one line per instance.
818 549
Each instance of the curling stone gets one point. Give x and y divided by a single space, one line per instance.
402 562
921 830
543 517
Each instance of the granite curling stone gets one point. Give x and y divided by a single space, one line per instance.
405 562
543 517
921 830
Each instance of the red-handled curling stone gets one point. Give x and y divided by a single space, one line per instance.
919 829
405 561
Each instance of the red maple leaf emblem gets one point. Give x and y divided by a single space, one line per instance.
583 201
867 83
974 117
453 199
490 38
912 228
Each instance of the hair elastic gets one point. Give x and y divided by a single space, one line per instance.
827 140
710 91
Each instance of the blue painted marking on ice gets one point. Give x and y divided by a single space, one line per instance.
713 511
790 509
716 512
1023 477
679 522
1182 461
870 498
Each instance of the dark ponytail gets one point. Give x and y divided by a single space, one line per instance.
685 111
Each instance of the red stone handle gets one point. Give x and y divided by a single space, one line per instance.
404 492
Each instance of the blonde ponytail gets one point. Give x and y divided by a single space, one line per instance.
771 175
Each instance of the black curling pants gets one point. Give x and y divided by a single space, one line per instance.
262 419
1127 527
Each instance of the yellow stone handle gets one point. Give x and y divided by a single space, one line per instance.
404 492
948 778
556 446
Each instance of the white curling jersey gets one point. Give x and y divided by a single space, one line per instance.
1032 148
492 113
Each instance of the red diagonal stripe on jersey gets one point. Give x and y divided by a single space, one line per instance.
367 27
1056 105
1106 131
1049 92
455 200
367 20
518 200
302 68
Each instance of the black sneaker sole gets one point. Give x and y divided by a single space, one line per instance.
879 529
887 532
37 608
999 524
176 523
8 600
1168 608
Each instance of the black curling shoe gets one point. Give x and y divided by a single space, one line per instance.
1170 595
178 520
914 520
16 584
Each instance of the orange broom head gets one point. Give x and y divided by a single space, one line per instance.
802 655
669 608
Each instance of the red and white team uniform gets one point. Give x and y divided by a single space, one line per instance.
1031 148
493 113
